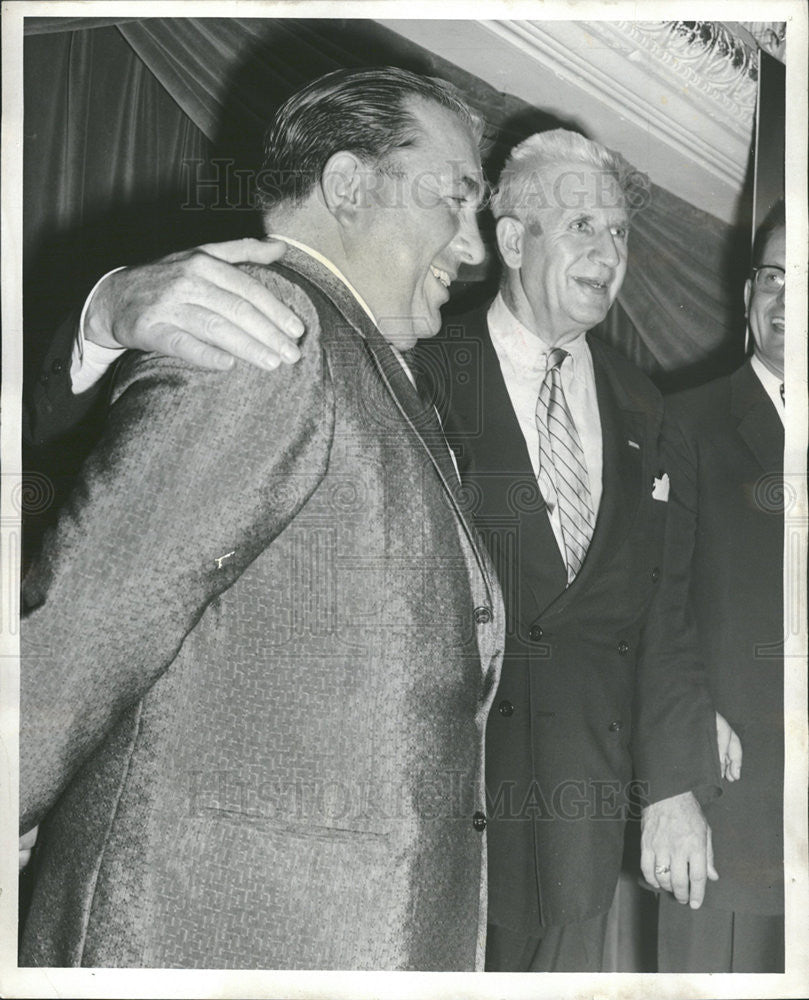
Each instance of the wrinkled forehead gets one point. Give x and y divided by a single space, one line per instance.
572 187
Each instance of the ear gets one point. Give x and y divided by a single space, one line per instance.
748 291
510 235
342 185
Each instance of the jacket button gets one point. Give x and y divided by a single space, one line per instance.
482 616
616 727
57 366
623 647
655 575
505 708
535 633
43 378
479 822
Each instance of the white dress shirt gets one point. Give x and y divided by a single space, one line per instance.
88 361
523 359
771 383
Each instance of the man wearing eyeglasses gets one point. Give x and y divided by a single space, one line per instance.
721 611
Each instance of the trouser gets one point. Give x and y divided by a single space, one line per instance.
574 947
708 940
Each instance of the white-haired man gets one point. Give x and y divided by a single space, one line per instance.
556 438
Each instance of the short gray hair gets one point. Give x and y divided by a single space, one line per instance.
517 192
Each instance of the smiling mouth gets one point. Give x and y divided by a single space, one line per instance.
778 322
597 286
440 275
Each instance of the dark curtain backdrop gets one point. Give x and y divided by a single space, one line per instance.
135 133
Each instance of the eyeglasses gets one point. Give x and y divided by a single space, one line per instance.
769 278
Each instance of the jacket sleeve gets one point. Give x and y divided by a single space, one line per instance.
51 408
674 745
193 465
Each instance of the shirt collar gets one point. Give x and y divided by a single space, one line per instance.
527 350
330 266
770 382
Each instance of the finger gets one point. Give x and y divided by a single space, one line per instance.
173 342
697 875
711 871
647 866
246 250
735 755
252 305
27 840
227 333
679 879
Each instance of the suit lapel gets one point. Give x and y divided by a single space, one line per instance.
509 458
420 417
759 425
622 477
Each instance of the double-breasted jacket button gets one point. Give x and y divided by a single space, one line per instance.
482 616
616 727
479 822
505 708
623 647
535 633
655 574
57 366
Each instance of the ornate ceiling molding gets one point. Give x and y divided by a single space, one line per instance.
676 98
770 36
707 57
690 85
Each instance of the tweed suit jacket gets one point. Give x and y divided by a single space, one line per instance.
721 612
560 742
258 656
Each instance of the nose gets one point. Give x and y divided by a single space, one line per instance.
604 249
467 242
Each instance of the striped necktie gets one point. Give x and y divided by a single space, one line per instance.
563 478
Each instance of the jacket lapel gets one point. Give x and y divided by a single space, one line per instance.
497 470
421 418
759 425
622 476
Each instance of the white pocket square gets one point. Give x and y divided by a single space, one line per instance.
660 489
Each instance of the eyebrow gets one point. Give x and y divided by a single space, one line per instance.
472 187
588 216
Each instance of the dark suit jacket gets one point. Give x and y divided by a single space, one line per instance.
721 612
51 409
258 657
560 735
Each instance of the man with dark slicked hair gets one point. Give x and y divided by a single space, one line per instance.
260 647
